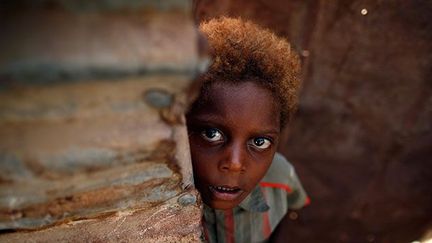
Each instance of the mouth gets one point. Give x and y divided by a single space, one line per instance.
225 193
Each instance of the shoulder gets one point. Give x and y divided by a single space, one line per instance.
280 171
281 176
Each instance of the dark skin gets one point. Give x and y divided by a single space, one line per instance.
233 138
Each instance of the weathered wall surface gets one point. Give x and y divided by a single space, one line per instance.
362 139
93 145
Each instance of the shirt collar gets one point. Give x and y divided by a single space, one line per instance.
255 201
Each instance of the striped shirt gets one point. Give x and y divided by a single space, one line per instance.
258 214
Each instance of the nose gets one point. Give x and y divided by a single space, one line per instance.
234 159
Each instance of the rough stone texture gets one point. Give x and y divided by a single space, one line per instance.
166 222
93 141
362 139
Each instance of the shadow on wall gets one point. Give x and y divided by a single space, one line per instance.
362 139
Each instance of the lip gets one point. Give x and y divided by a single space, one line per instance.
225 193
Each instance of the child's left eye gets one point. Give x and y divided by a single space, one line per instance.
260 143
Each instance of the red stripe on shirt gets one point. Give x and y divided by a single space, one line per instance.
308 201
229 226
276 185
206 235
266 228
266 225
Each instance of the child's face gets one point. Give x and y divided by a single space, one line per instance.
233 138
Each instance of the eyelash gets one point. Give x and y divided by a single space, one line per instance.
205 134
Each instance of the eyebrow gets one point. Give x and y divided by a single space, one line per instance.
270 131
210 119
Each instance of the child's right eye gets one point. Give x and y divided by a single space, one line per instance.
212 135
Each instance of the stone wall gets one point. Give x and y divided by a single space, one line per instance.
362 138
93 145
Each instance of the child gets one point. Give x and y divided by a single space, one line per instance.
248 95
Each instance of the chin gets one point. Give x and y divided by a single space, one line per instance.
222 205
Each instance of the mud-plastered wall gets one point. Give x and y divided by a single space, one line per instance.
93 144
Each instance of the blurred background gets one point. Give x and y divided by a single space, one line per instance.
362 139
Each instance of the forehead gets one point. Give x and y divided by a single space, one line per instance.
244 103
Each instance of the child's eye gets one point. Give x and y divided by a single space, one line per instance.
212 135
261 143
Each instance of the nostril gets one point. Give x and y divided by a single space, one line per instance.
232 166
225 167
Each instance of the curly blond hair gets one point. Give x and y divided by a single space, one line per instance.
243 51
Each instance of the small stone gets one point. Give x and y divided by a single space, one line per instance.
305 53
370 238
158 98
293 215
187 199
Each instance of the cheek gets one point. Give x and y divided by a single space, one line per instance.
201 161
258 170
201 151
